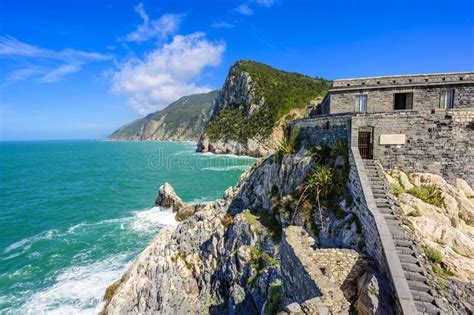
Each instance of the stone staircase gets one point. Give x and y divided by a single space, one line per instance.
422 293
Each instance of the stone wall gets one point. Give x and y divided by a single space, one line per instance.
317 280
325 129
439 143
382 99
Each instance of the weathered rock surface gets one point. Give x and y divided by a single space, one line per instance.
449 228
223 258
205 265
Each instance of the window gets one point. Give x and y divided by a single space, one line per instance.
447 99
403 101
361 104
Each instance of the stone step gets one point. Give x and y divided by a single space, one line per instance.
405 250
400 236
378 195
418 286
415 276
408 259
382 202
386 211
427 308
389 216
422 297
403 242
411 267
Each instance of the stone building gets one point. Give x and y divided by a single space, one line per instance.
398 93
414 123
417 123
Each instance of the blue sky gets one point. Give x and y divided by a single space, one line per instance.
79 69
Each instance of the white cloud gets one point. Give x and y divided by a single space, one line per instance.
222 24
50 65
168 72
166 25
59 72
244 9
25 73
265 3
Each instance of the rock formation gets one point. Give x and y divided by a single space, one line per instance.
224 256
249 116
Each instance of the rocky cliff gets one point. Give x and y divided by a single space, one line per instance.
225 256
254 106
184 119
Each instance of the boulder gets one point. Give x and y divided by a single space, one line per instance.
167 198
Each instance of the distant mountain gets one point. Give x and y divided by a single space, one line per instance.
254 107
183 119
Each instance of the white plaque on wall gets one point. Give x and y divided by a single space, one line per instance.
393 138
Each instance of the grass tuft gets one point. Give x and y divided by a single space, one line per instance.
429 194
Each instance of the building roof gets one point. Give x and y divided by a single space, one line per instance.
404 80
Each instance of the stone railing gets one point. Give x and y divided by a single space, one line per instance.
379 242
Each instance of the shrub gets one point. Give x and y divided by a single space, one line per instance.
340 148
273 226
321 152
339 213
429 194
397 189
434 255
250 218
289 145
274 298
415 212
269 259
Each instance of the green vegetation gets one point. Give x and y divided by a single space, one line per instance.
433 255
429 194
319 184
321 152
415 212
340 148
281 91
397 189
185 111
289 145
274 298
250 218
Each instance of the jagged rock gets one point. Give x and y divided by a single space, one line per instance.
201 266
373 294
293 308
167 198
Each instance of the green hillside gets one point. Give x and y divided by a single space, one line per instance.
183 119
282 91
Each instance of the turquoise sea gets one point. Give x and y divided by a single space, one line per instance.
74 214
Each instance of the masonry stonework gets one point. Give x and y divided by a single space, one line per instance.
439 143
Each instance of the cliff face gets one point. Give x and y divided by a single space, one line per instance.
253 108
184 119
224 256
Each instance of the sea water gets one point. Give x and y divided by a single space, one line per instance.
74 214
